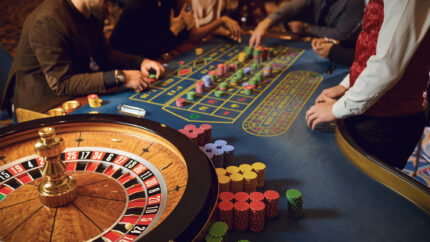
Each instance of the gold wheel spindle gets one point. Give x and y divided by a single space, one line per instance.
56 189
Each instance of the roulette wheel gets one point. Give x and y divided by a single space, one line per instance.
102 178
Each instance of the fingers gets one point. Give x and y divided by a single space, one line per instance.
252 40
172 15
312 118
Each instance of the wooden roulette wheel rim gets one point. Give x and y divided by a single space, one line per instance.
187 218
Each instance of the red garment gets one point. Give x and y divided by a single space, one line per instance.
408 96
366 42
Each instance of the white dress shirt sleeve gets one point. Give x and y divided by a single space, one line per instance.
405 25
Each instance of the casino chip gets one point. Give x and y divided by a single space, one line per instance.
295 203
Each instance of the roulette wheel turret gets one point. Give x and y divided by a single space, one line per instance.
119 178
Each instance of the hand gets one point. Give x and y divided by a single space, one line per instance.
259 32
332 92
321 112
148 64
135 80
176 23
322 46
187 18
297 27
233 27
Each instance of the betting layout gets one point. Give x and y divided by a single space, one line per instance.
232 91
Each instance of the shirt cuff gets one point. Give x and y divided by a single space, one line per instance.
109 79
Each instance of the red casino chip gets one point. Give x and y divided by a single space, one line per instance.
241 216
225 213
272 199
241 197
256 196
257 216
226 196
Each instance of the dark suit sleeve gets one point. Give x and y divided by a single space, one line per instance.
348 22
341 55
52 51
289 10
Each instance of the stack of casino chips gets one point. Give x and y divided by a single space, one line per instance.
200 87
180 102
207 80
226 213
250 181
247 70
242 57
260 169
191 95
217 232
250 210
295 203
257 216
200 136
213 75
241 215
248 51
220 69
232 67
257 54
152 78
94 101
267 70
272 200
221 153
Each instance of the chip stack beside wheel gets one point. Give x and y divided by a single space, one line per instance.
232 170
236 182
218 230
190 127
209 238
256 196
256 216
244 168
208 132
220 171
226 196
200 136
241 197
194 137
260 169
224 183
295 203
218 158
226 213
272 199
250 181
228 154
241 216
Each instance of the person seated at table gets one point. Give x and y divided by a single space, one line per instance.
150 27
339 52
208 20
52 61
336 19
383 99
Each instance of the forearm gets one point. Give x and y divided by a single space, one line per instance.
288 10
197 34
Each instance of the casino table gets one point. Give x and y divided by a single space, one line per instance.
341 203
